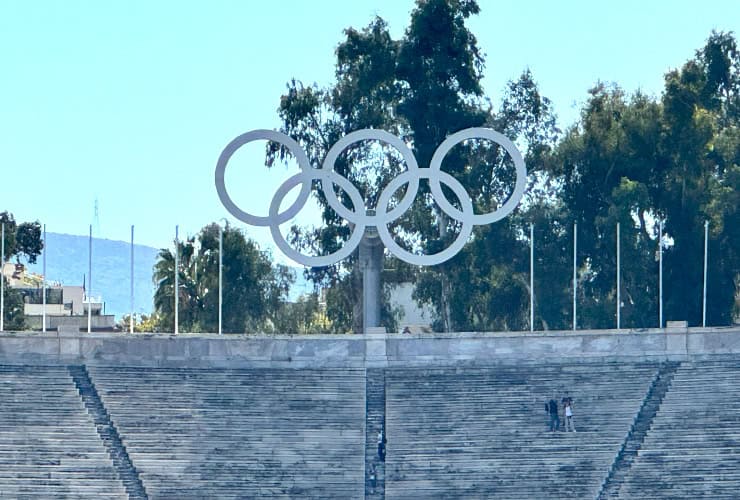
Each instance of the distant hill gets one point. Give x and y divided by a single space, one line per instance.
67 262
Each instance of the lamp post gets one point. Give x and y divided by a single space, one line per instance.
177 281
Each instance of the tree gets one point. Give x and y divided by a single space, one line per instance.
8 220
421 88
303 316
21 239
13 314
28 241
700 182
142 323
638 161
253 291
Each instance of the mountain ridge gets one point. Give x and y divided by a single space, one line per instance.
67 263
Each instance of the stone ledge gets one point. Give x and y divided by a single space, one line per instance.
358 351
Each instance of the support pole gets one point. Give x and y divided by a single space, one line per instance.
43 288
177 278
660 274
531 277
220 278
89 282
371 264
2 278
575 274
619 284
706 253
131 318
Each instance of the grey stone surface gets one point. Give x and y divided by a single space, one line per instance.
301 351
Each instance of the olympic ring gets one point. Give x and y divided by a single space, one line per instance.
359 217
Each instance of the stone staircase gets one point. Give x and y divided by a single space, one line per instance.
108 433
482 432
48 445
374 421
692 449
636 436
453 432
277 433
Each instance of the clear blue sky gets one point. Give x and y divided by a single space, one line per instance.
130 103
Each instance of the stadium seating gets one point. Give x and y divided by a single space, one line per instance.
49 447
453 432
693 447
240 433
482 432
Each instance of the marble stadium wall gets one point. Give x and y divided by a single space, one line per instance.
357 351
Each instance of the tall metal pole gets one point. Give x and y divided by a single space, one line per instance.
89 282
531 277
619 284
706 253
660 274
131 317
575 276
177 283
220 278
2 278
43 288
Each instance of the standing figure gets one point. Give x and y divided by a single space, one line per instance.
568 411
373 478
552 409
381 445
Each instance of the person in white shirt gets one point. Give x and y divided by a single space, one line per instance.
381 445
568 411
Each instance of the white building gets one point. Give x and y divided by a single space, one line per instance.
65 305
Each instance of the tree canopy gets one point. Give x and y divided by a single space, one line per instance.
21 240
422 88
253 288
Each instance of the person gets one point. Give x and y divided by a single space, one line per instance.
373 477
381 445
406 329
552 409
568 412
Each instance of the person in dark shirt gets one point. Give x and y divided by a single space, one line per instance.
552 409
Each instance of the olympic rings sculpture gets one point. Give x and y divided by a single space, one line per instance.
381 218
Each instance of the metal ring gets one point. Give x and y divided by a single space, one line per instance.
358 217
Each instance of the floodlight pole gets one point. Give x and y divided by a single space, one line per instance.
43 288
131 318
531 277
619 284
177 283
660 274
220 278
706 253
89 282
575 275
2 278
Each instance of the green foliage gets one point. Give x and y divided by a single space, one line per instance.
638 161
10 229
28 241
422 88
303 316
253 290
13 313
144 323
631 159
21 239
